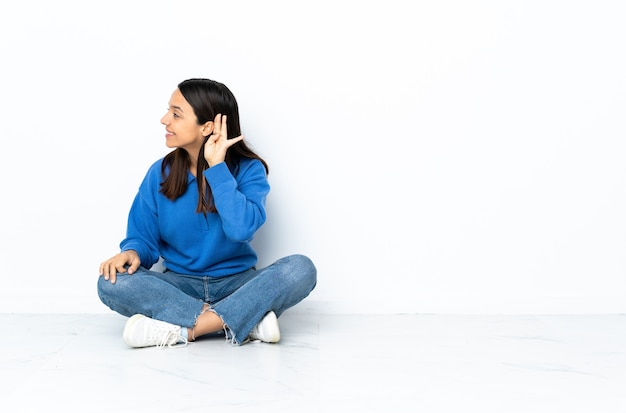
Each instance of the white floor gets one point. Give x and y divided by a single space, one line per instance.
324 363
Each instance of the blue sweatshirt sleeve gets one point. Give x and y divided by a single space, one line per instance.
142 231
240 201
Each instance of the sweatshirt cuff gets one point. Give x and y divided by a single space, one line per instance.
219 175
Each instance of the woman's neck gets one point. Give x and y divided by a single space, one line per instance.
193 161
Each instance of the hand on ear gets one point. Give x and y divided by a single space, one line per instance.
218 143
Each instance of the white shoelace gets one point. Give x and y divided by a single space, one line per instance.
164 337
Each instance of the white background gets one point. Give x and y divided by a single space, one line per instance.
429 156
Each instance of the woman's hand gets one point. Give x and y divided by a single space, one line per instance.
118 263
218 143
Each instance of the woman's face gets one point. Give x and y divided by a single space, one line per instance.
181 125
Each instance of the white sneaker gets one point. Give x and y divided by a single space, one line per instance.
267 330
142 331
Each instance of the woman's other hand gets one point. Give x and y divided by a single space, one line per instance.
118 263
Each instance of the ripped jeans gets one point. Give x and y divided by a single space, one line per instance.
241 300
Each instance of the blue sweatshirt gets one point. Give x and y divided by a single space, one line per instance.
214 245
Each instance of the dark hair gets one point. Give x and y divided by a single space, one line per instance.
207 98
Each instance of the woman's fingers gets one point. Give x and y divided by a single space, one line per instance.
218 143
219 126
224 131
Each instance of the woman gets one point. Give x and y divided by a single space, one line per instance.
198 209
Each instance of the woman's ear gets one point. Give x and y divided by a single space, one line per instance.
207 128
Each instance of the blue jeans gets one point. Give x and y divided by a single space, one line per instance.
241 300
